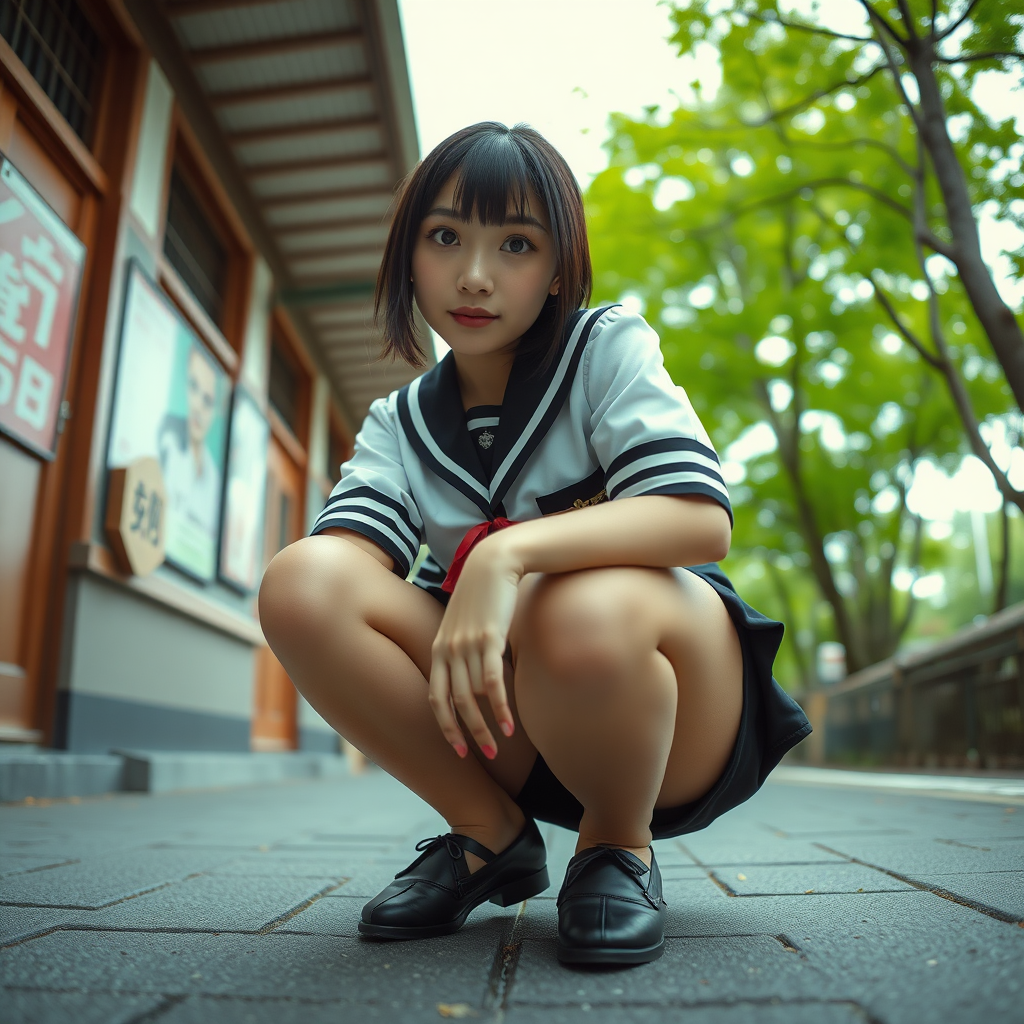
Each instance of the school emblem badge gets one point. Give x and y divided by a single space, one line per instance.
486 439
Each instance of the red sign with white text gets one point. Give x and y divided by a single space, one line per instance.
41 263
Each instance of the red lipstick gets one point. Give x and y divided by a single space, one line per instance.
472 316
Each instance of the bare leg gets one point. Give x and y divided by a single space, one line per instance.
629 683
355 640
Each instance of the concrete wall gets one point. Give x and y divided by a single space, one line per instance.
137 674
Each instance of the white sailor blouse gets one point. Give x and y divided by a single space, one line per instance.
605 421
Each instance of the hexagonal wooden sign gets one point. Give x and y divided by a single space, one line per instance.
137 516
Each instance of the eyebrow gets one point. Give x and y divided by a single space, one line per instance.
445 211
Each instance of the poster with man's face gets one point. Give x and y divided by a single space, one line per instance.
171 403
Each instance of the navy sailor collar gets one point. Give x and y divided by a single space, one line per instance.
430 411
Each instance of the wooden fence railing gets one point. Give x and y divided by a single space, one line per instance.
958 703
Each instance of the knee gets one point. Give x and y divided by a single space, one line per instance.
580 636
304 587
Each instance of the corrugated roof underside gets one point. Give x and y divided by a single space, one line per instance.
291 85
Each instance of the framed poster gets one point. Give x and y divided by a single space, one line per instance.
170 403
245 487
41 261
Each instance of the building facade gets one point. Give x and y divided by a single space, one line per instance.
193 205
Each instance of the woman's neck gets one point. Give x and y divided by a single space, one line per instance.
482 378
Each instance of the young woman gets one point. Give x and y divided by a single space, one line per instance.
559 479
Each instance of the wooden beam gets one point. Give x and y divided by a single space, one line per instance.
332 225
300 91
310 128
319 164
362 192
181 8
293 256
274 47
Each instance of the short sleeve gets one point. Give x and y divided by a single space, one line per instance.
645 432
373 496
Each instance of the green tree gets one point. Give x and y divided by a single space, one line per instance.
795 243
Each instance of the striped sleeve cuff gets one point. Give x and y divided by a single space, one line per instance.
429 577
377 517
672 465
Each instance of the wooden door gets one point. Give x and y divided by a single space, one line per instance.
274 723
30 486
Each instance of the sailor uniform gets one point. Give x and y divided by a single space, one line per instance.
603 421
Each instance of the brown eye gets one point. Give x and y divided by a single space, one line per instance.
444 236
516 244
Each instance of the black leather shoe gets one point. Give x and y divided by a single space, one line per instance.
436 892
608 913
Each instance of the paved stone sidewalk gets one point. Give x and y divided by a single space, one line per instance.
808 904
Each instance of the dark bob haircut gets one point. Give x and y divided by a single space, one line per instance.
498 170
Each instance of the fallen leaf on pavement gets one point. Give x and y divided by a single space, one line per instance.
456 1010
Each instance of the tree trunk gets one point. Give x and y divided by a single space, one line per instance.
995 316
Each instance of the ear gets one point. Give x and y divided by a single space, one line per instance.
555 285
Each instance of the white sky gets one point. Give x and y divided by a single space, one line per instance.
563 66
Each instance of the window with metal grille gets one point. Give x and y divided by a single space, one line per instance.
284 386
193 249
54 40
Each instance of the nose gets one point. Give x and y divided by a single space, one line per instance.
475 276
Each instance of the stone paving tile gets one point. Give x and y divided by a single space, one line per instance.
276 865
19 865
1001 890
752 967
96 882
806 879
753 847
450 969
942 964
917 857
225 1010
75 1007
20 922
813 1012
332 915
214 904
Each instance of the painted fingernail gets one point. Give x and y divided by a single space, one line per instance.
507 728
461 749
489 752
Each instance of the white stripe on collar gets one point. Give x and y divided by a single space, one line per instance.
425 436
542 407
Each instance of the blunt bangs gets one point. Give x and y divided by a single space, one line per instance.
497 170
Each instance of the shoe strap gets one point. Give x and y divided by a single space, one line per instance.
454 843
472 846
628 863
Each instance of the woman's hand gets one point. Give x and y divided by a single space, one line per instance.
469 649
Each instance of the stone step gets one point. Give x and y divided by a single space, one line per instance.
53 774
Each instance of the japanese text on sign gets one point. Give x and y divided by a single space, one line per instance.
40 269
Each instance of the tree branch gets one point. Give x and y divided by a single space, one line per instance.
806 101
894 70
908 19
856 143
900 326
950 29
815 30
874 16
966 58
781 197
956 386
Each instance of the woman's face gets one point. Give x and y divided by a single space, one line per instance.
479 286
